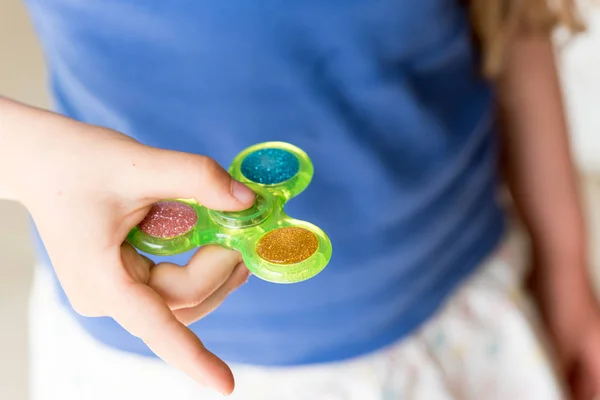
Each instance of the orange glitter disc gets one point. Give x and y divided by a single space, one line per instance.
288 245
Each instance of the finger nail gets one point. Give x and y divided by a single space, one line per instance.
242 193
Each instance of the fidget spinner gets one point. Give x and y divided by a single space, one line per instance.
274 246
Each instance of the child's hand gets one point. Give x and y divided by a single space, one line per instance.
583 368
86 187
572 316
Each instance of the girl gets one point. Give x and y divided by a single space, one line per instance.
396 103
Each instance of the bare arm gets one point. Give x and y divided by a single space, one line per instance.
25 133
86 187
544 186
5 194
538 158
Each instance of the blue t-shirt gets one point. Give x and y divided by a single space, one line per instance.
383 95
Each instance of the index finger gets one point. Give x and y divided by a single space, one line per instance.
142 312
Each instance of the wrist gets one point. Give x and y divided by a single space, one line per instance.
562 245
29 156
15 155
561 270
6 194
562 286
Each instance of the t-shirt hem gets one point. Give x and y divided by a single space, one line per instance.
400 329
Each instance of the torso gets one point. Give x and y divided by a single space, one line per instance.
383 95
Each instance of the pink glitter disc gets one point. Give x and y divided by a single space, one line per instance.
167 219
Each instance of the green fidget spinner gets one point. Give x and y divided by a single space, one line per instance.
274 246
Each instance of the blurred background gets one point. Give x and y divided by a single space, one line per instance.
22 78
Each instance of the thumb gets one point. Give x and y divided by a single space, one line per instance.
173 174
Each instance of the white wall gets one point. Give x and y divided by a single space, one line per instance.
580 66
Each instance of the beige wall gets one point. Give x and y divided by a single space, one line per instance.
21 77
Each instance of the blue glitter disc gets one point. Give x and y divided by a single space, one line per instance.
270 166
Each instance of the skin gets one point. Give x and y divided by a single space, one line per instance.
84 203
543 183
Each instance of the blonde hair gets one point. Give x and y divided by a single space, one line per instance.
496 24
